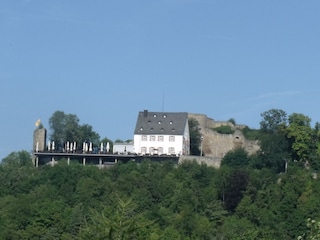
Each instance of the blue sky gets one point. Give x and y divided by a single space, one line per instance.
105 61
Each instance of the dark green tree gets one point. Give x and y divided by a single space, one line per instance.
274 145
300 134
65 127
18 159
88 135
195 136
237 158
120 223
315 147
273 120
236 184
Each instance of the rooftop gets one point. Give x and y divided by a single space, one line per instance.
163 123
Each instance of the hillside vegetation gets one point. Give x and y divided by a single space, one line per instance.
155 201
271 195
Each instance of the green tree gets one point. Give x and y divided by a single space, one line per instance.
236 184
300 134
88 135
237 158
18 159
65 127
315 155
274 145
274 152
16 173
195 136
233 121
239 229
116 224
273 120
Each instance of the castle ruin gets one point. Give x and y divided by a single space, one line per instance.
216 145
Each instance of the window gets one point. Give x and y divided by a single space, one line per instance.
160 150
159 122
154 115
171 150
171 138
151 150
144 138
143 150
160 138
152 138
170 122
164 116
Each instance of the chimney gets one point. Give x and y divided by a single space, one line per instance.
145 113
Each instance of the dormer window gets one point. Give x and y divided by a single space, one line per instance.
149 122
170 122
164 116
154 115
173 129
159 122
141 129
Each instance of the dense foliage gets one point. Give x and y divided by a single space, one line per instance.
155 201
195 137
271 195
66 127
250 134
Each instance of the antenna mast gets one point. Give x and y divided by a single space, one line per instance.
162 101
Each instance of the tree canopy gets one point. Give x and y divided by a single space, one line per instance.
66 127
271 195
153 200
195 136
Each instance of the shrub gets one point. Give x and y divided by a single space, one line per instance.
251 134
224 130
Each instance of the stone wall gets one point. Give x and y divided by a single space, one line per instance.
216 145
209 161
39 139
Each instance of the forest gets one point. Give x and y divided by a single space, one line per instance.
271 195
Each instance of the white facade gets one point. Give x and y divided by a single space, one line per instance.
123 148
158 144
162 134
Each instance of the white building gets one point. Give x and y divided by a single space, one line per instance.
162 133
123 148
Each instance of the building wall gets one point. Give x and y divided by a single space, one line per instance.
39 139
186 141
123 148
153 145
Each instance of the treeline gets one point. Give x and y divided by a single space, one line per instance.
154 201
271 195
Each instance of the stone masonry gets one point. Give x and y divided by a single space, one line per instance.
216 145
39 139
